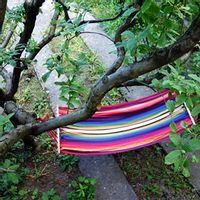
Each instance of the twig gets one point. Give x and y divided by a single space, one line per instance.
3 170
92 32
8 37
46 39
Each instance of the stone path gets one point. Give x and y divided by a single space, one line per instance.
111 182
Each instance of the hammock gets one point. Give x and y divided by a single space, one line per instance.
122 127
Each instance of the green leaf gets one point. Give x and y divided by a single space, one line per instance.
156 83
195 159
13 178
196 110
46 76
170 105
184 124
194 144
59 69
173 127
195 77
175 139
186 172
181 98
172 157
146 5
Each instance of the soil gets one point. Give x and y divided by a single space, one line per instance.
151 179
45 174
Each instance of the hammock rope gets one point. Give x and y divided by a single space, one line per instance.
122 127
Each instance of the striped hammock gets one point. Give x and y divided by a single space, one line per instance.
122 127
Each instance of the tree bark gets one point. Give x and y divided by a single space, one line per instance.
3 5
21 117
31 12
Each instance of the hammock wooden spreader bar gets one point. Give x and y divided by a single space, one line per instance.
122 127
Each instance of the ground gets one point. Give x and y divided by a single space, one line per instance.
151 178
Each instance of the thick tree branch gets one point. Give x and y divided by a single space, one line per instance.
3 5
160 58
31 12
21 117
147 80
6 76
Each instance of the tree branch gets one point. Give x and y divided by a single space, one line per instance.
8 37
118 38
3 5
102 20
31 12
6 76
65 9
147 80
21 117
160 58
46 39
91 32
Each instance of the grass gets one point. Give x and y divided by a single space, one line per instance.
31 96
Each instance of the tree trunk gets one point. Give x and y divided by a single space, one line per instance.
3 4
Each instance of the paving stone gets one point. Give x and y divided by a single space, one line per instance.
131 93
111 182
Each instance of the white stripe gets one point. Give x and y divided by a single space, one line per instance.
122 128
189 113
58 131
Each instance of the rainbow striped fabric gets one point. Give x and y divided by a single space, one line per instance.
122 127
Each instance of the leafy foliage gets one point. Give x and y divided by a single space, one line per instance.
188 91
16 14
6 57
68 162
50 195
10 176
83 188
156 24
